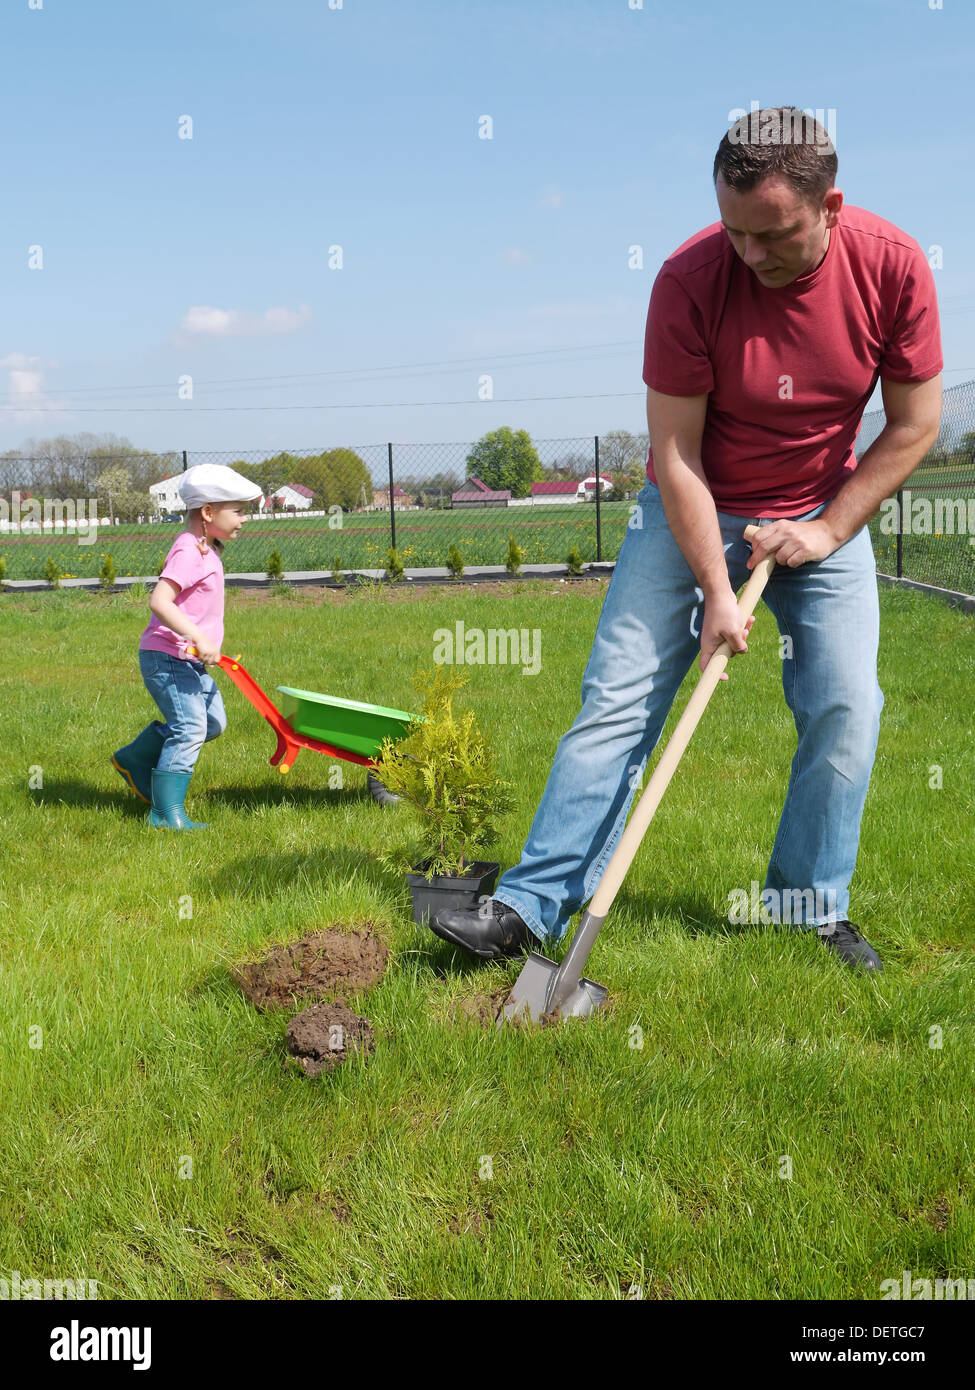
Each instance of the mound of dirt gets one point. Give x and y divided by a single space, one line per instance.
322 1037
325 965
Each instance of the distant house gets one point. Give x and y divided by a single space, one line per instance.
474 493
380 499
555 491
588 485
165 494
294 495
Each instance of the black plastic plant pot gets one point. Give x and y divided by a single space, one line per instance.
444 891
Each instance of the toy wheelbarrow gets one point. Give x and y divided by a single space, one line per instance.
345 729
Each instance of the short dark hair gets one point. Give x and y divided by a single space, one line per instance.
778 140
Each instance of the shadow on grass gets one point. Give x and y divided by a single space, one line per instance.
444 961
72 791
693 914
696 917
264 875
282 792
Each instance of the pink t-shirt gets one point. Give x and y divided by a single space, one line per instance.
200 597
789 370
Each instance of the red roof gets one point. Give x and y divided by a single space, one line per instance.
294 487
554 487
476 490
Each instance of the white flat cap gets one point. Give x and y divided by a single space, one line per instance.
216 483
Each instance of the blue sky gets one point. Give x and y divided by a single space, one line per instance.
315 127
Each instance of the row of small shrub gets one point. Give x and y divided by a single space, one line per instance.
275 566
455 563
54 574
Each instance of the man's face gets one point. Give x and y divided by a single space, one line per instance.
776 233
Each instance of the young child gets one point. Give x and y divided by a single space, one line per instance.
187 611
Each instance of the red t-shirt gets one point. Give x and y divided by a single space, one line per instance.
789 370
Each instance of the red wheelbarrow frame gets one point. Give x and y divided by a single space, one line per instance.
290 742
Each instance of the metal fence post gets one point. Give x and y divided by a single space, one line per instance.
599 528
900 532
184 460
392 509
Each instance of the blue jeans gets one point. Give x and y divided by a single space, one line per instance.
191 706
647 638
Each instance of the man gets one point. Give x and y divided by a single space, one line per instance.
766 335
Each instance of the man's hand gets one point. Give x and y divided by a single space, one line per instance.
722 623
793 542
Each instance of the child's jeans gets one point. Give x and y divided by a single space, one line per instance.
191 705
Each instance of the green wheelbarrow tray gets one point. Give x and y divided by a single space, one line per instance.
345 729
347 724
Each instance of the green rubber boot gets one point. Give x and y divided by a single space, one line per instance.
168 812
135 761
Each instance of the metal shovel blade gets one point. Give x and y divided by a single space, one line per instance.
532 990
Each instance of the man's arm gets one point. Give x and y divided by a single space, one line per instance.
913 411
676 426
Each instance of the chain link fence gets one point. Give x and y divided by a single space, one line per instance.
344 509
926 531
341 509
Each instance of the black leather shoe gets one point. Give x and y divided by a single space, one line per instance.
843 939
491 930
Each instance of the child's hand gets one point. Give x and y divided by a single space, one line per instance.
207 652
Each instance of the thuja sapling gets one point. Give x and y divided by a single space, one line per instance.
444 772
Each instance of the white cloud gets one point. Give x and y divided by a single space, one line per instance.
19 359
516 256
552 197
205 321
26 383
26 399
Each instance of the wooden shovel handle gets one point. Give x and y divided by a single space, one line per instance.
629 843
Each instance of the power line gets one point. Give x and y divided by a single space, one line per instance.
408 368
359 405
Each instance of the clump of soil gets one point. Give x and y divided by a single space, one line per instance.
322 1037
325 965
480 1010
484 1010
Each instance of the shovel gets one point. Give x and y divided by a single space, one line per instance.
544 987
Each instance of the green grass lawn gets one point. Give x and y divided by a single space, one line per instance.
611 1165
